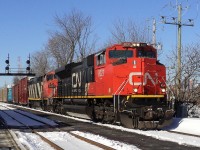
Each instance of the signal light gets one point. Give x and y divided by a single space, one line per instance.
28 61
7 68
28 68
7 61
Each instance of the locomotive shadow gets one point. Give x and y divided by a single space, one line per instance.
175 123
7 122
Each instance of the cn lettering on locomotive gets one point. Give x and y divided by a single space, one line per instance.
147 77
76 79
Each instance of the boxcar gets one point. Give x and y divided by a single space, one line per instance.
23 91
15 93
3 94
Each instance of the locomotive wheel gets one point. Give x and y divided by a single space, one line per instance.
90 112
50 108
108 116
128 120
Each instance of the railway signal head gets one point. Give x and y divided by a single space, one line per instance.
28 62
28 68
7 67
7 61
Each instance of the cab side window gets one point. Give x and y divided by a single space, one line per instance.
101 59
50 77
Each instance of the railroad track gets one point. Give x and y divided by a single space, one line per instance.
51 128
8 138
110 132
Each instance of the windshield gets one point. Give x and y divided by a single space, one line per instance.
120 53
149 54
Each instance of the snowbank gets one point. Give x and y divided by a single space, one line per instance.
185 125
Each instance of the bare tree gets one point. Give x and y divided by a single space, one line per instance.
190 90
73 39
40 63
58 49
16 80
128 31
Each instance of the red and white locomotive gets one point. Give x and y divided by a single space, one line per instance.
123 83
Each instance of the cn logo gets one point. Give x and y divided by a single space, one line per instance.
76 79
147 76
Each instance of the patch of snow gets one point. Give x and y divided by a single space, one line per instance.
32 141
67 141
185 125
110 143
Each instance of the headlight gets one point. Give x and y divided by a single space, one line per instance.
163 90
135 90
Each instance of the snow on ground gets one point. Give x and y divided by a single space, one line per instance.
105 141
165 135
9 121
67 141
185 125
32 141
45 120
63 139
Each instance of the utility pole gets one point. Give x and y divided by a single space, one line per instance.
179 24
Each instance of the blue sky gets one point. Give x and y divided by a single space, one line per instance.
24 24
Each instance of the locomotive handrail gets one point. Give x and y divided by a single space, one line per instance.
121 91
121 87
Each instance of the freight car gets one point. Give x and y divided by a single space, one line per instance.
123 83
6 94
20 91
9 94
15 93
3 94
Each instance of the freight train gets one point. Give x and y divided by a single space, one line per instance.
123 83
